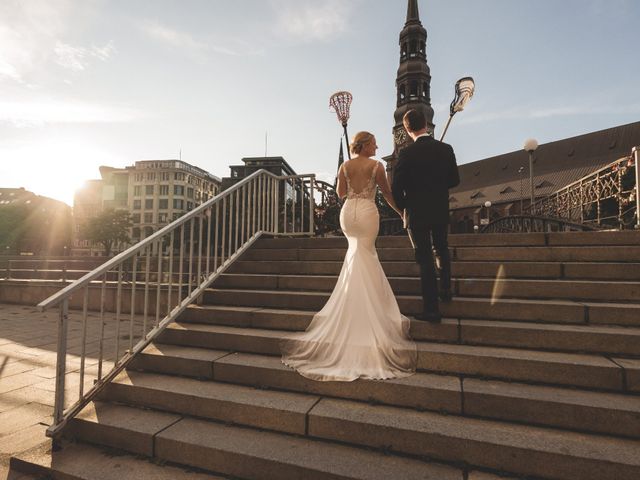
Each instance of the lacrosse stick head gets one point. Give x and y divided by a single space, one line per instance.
465 87
340 102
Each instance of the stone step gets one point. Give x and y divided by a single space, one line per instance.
628 237
322 254
78 461
251 454
561 289
404 269
421 391
500 287
551 270
522 450
224 402
615 254
578 410
555 311
402 241
565 338
589 371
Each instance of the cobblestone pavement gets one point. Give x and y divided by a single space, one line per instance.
28 341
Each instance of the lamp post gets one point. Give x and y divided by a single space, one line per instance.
487 205
340 102
530 146
520 170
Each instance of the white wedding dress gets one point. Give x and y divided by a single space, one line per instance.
360 332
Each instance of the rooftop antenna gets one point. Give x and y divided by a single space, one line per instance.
265 143
180 154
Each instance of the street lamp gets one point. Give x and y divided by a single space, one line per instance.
487 205
530 146
340 102
520 170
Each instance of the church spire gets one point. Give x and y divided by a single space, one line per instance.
412 12
413 82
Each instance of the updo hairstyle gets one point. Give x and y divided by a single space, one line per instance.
360 140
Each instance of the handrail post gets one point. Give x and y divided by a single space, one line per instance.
63 320
312 206
636 154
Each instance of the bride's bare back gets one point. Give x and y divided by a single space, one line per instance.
360 170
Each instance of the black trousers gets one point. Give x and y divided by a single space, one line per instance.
427 241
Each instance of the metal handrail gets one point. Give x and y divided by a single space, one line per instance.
231 221
130 252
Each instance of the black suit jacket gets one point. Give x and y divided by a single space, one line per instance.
422 177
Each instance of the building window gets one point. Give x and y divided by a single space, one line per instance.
135 218
164 176
148 217
163 217
148 189
135 233
137 190
148 204
151 176
413 89
163 203
189 205
148 231
189 192
178 176
139 177
178 204
178 190
164 189
137 204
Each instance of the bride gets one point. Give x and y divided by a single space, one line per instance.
360 332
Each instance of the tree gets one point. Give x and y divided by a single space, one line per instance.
108 228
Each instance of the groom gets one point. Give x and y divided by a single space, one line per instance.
423 174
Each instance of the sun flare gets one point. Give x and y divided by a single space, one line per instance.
59 166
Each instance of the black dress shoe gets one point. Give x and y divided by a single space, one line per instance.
446 296
431 317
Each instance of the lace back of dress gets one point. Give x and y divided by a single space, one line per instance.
368 192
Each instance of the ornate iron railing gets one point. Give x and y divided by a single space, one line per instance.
327 213
606 198
146 287
532 223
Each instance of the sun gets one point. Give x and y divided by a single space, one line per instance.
57 167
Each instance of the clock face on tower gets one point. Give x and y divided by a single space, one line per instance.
400 136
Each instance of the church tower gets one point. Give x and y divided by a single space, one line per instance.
413 82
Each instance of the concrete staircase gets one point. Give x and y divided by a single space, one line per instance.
535 372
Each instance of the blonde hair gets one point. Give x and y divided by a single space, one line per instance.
359 141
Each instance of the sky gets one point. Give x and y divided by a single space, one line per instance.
85 83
